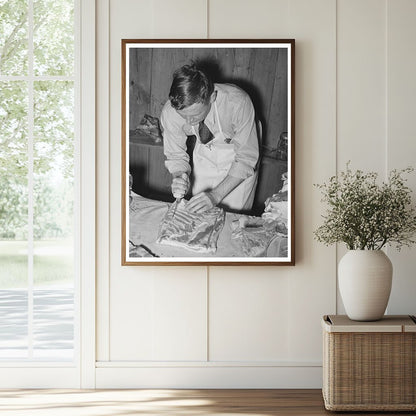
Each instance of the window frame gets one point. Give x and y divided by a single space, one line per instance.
81 371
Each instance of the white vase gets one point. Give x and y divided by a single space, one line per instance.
364 278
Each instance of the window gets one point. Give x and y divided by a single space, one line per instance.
38 185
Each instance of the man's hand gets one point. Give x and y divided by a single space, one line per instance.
180 185
201 202
207 200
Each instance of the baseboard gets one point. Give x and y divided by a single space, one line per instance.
209 377
39 378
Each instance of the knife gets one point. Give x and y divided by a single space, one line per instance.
178 200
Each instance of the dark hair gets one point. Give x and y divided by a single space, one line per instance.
190 85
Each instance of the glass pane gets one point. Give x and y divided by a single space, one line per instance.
53 319
14 321
13 37
13 219
53 37
53 219
53 180
13 166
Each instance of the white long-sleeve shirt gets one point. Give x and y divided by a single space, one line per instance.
237 118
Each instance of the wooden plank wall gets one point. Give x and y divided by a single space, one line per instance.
262 73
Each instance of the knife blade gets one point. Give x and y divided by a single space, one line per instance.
177 202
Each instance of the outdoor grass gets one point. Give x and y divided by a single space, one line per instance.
52 263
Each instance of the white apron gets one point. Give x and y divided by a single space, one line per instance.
211 164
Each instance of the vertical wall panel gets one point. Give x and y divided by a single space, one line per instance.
131 316
312 282
248 19
312 24
361 89
138 300
361 84
177 19
159 316
401 144
248 314
180 308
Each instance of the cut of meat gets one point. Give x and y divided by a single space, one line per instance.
151 126
196 232
256 235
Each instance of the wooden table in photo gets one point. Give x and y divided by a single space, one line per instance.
145 216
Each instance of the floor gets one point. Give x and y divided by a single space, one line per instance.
166 402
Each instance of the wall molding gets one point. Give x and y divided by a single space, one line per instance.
37 378
204 364
207 377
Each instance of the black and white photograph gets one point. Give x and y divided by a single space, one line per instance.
208 152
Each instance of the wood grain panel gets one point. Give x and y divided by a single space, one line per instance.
277 112
206 55
243 65
140 81
249 68
263 77
159 179
164 63
138 167
226 61
262 73
270 181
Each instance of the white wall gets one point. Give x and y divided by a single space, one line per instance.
255 326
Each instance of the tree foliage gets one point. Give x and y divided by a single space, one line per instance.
53 37
52 118
13 37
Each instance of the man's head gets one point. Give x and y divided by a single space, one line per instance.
191 93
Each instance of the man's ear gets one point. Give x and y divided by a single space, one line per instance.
213 97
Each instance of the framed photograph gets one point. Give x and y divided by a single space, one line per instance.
208 151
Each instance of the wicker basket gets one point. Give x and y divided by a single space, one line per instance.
369 366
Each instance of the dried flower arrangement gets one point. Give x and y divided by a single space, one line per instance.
366 215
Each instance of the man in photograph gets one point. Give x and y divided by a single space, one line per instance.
222 169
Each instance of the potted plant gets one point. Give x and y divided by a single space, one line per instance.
366 216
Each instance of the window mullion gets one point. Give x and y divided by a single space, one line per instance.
30 178
38 78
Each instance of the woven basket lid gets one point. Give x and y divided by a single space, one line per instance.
389 323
